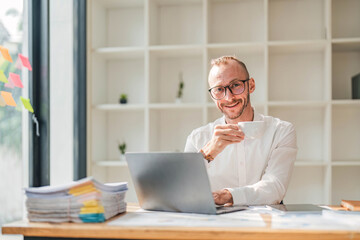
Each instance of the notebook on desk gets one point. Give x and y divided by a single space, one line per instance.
175 182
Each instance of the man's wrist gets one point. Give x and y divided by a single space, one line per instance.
207 156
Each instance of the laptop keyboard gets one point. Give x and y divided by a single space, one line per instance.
222 209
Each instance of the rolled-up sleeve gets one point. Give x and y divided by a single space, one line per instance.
271 189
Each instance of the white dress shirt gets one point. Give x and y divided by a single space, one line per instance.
255 171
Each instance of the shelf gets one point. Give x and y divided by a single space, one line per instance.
346 102
244 46
297 46
110 163
346 42
346 45
176 50
345 163
141 107
247 14
301 20
119 107
297 103
171 106
170 23
119 52
345 18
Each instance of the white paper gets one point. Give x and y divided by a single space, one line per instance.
307 221
167 219
343 217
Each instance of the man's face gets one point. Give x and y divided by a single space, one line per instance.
232 106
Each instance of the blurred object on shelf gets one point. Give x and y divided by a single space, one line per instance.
355 86
181 88
123 99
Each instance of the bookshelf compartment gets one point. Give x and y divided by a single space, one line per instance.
170 23
117 23
306 186
107 133
248 16
345 133
253 57
345 64
131 131
297 74
345 183
296 20
345 18
169 129
111 78
309 124
165 71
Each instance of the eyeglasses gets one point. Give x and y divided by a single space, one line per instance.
236 87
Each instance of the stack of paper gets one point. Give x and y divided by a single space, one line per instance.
86 200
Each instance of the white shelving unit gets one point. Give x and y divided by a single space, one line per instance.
302 55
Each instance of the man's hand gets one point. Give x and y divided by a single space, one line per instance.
223 197
223 135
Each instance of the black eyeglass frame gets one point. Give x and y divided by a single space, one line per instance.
228 87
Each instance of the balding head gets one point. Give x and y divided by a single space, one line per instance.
226 59
227 67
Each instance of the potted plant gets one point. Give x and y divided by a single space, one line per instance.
122 149
180 89
123 98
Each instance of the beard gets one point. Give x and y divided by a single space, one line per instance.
241 110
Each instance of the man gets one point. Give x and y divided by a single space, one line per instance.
243 171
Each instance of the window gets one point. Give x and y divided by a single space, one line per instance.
12 139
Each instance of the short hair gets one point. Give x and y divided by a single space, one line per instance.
225 59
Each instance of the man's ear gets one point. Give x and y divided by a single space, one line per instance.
251 85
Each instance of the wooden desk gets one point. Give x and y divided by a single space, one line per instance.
41 231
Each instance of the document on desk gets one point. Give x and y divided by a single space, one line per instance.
172 219
311 222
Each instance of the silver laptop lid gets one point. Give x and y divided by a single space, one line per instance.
176 182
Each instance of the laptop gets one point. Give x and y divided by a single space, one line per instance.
174 182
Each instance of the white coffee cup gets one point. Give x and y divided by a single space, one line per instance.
253 129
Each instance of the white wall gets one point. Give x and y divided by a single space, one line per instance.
61 91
